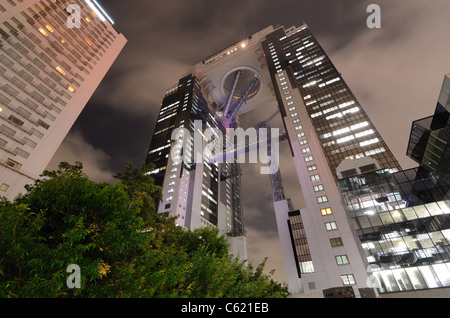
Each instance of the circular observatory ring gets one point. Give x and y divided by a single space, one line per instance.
246 75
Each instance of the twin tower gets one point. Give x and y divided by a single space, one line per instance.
340 243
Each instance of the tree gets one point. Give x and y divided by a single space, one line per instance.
123 248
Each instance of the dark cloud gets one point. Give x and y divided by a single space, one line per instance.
395 72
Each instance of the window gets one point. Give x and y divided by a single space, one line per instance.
330 226
309 158
303 142
318 188
326 211
306 150
59 69
348 279
342 260
335 242
312 168
322 199
13 164
43 31
315 177
50 28
4 187
15 120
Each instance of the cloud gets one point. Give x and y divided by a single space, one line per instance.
396 72
260 247
75 148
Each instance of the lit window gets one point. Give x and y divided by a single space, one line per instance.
369 142
315 177
322 199
59 69
312 168
88 20
50 28
70 88
318 188
348 279
342 259
306 150
87 41
330 226
43 31
326 211
309 158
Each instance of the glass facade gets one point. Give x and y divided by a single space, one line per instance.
339 120
300 243
408 247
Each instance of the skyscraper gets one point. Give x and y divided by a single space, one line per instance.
327 127
53 55
286 73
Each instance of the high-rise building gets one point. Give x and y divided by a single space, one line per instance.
53 55
285 73
197 193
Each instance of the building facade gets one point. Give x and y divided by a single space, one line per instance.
336 244
195 190
53 55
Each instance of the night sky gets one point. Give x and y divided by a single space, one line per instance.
396 73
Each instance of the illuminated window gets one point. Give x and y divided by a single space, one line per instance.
59 69
70 88
348 279
330 226
342 259
50 28
322 199
326 211
43 31
318 188
63 41
87 41
88 20
312 168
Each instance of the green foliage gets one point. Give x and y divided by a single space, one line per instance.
124 249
